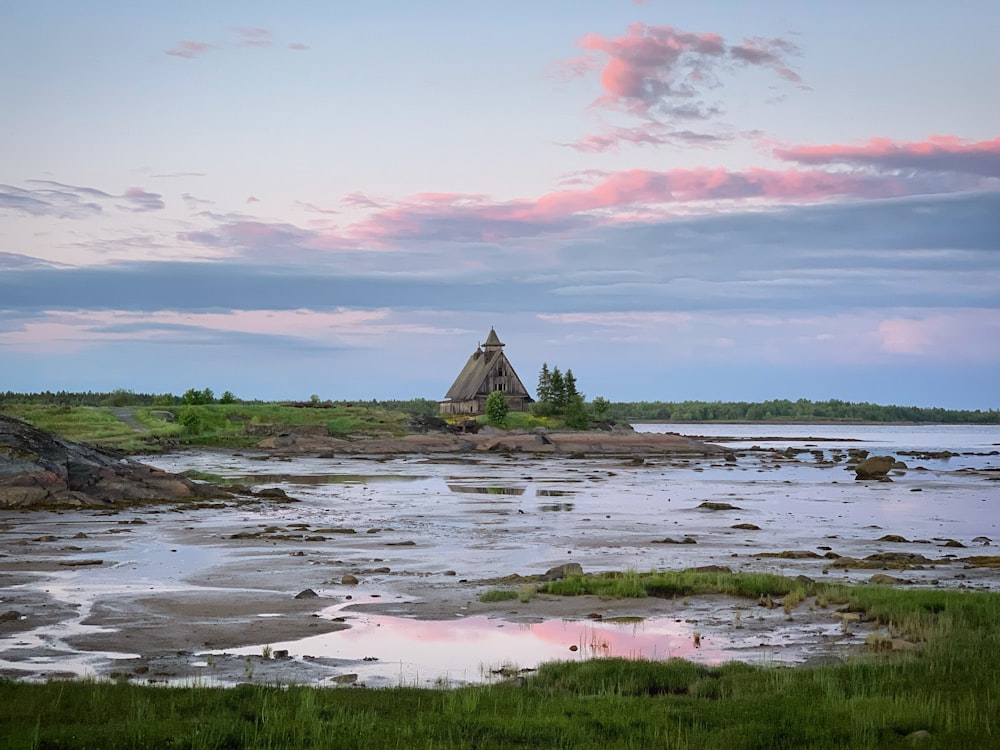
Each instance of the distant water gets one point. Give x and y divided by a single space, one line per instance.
958 438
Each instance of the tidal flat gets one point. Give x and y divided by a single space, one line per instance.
376 575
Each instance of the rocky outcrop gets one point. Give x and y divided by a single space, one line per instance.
593 442
40 470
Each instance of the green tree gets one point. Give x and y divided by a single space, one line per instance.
557 389
194 397
227 397
121 397
544 390
601 407
569 387
575 415
496 410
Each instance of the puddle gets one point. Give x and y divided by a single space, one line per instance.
321 479
389 651
486 490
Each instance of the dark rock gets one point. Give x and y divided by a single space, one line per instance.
10 615
895 538
349 580
875 467
272 492
41 470
80 563
563 571
306 594
796 554
881 579
746 527
424 423
709 505
712 569
671 540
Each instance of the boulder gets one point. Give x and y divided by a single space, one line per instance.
875 467
41 470
711 505
563 571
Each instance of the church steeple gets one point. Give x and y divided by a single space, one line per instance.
493 343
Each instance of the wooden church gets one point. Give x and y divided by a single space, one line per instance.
487 370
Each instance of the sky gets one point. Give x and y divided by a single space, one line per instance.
725 201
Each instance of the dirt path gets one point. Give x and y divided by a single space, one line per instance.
126 414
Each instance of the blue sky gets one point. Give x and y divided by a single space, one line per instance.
716 201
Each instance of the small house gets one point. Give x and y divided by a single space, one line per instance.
487 370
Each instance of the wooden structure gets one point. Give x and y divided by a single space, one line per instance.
487 370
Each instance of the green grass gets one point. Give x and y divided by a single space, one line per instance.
668 584
223 425
497 595
947 688
522 420
81 423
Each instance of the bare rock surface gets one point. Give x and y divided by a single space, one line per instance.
41 470
590 442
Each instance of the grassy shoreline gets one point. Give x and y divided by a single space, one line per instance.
945 687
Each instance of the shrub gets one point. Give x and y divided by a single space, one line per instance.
496 410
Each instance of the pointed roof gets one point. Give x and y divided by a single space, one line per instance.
493 339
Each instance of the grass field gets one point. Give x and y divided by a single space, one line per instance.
207 425
946 689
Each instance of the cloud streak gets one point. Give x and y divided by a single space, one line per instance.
190 49
939 153
63 201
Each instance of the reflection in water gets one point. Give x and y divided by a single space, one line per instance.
477 490
556 507
320 479
471 649
554 493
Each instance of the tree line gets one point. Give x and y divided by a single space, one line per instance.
558 396
800 410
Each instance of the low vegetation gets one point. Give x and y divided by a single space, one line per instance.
142 429
942 695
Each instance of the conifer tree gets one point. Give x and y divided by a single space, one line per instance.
569 386
557 386
544 390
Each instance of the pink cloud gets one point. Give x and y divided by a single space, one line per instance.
253 37
654 71
613 197
298 46
253 199
939 153
190 49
